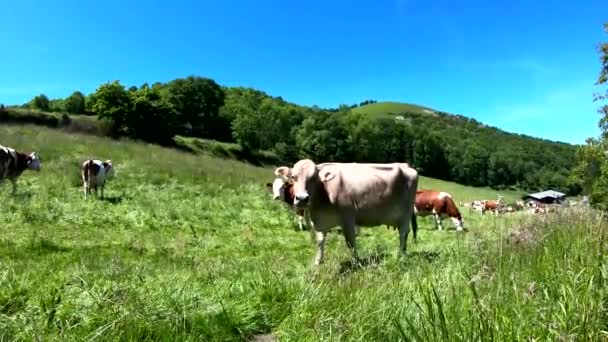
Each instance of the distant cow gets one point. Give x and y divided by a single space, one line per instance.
283 190
351 194
13 163
94 174
491 205
439 204
477 206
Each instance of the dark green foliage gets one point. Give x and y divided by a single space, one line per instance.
197 101
113 103
260 122
57 106
152 118
324 137
40 102
141 113
75 103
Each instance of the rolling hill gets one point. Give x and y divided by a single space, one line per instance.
391 108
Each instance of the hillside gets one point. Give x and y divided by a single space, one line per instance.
391 108
191 247
439 145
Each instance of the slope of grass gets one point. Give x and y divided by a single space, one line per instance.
391 108
191 247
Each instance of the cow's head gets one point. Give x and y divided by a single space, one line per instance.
305 178
33 161
458 222
108 167
277 187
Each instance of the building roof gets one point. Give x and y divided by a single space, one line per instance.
545 194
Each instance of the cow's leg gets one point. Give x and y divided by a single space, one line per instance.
414 227
320 237
404 230
437 220
14 182
349 229
102 187
85 188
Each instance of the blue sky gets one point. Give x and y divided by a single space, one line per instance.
524 66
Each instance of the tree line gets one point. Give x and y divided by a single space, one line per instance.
440 145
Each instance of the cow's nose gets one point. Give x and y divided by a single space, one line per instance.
301 199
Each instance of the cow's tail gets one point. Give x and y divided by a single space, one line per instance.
87 169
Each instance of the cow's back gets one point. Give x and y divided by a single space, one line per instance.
376 193
8 162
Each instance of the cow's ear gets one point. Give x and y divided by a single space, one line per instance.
326 175
283 171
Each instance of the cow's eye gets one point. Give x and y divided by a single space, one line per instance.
294 178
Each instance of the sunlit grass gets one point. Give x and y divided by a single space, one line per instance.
191 247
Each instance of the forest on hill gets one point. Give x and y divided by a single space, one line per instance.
440 145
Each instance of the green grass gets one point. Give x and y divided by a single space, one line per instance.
191 247
392 108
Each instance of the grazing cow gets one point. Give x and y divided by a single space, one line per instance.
491 205
438 204
283 190
477 206
13 163
351 194
94 174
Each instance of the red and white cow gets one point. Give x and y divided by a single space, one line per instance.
439 204
13 163
283 190
94 174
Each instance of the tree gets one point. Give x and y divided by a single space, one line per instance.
112 103
57 105
591 171
75 103
40 102
197 101
263 126
323 137
151 118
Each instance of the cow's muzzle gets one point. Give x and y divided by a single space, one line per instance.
301 200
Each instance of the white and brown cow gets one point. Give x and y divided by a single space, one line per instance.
439 204
283 190
94 174
354 194
13 163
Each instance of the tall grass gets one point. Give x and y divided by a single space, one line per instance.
190 247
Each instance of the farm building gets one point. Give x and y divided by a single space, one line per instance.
546 197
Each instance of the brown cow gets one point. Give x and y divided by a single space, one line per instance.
438 204
283 190
351 194
94 174
13 163
491 205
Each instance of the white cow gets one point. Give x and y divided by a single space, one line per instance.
351 194
94 174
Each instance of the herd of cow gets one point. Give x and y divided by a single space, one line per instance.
349 195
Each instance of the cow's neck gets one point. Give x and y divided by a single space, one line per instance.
21 162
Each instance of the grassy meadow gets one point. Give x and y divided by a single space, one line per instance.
190 247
